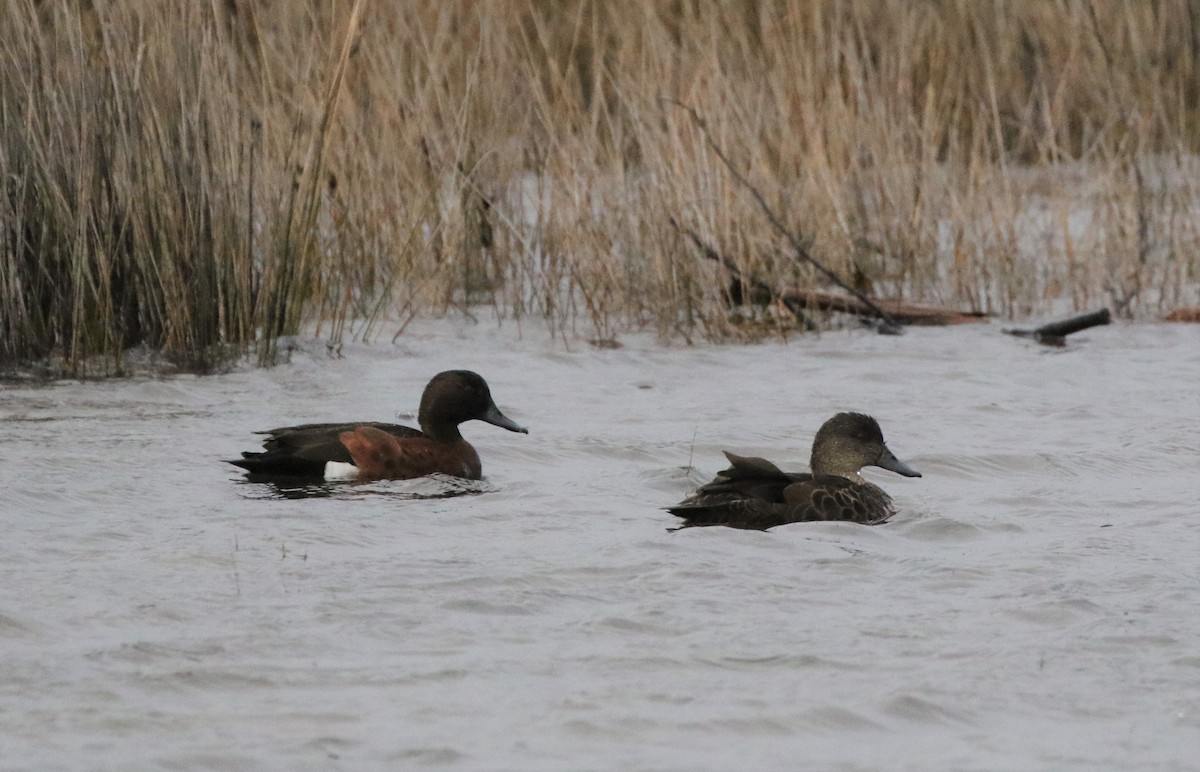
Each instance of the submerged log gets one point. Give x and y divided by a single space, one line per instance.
900 311
1184 315
887 316
1055 333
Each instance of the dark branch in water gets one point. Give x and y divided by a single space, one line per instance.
748 289
1055 333
887 325
757 288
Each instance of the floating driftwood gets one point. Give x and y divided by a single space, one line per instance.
899 310
1184 315
1055 333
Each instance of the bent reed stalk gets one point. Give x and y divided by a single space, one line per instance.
205 179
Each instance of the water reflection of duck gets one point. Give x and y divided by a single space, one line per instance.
754 494
371 450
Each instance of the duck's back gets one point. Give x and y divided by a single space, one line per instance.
303 451
747 477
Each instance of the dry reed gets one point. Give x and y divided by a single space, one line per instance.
202 179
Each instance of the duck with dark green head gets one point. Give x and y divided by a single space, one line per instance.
755 494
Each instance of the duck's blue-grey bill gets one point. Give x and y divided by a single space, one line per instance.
888 461
495 417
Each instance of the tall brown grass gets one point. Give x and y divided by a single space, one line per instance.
204 178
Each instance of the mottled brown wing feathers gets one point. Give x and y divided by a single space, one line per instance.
836 498
761 503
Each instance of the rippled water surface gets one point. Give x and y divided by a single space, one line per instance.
1033 605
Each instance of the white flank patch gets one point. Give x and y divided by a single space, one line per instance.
337 470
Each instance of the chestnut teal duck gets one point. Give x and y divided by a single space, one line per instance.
372 450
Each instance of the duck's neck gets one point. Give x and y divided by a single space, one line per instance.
826 465
441 432
853 477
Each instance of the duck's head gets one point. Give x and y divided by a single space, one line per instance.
455 396
849 441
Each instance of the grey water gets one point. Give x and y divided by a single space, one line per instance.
1033 605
